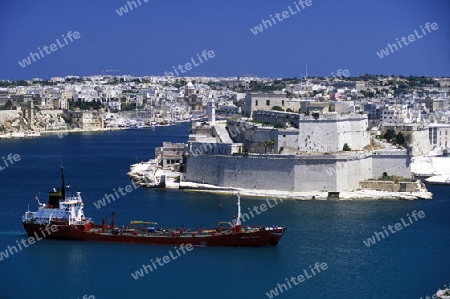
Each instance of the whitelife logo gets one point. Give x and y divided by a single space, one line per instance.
162 261
124 9
11 158
411 38
398 227
53 47
262 208
318 267
188 65
11 250
281 17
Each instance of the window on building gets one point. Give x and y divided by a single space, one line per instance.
268 102
282 102
256 102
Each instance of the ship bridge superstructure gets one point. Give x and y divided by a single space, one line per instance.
60 209
70 211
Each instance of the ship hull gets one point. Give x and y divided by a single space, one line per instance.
263 237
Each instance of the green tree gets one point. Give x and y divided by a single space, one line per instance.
389 134
8 105
400 139
346 147
277 108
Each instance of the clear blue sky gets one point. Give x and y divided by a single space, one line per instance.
149 40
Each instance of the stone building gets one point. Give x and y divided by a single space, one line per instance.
260 101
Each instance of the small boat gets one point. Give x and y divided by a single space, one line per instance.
438 180
63 218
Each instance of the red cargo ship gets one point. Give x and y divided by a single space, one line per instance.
63 218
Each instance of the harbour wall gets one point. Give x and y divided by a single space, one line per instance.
392 162
342 172
390 186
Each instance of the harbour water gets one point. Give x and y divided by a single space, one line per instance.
410 263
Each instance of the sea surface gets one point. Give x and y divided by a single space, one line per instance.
412 263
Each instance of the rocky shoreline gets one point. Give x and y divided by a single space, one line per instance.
60 133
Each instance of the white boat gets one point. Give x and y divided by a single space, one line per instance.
438 180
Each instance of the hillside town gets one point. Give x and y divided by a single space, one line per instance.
302 127
98 102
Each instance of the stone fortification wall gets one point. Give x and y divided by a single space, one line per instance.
311 175
356 168
318 137
391 186
281 172
277 117
393 162
264 101
254 171
252 137
237 129
329 133
360 136
341 172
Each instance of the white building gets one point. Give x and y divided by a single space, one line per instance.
439 135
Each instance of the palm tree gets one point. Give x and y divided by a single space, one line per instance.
266 144
271 144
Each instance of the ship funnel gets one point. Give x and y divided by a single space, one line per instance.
53 199
57 194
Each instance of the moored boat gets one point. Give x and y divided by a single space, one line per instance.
438 180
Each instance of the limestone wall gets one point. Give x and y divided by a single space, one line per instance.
254 171
341 172
329 133
420 143
311 175
353 170
320 137
277 117
261 101
390 186
392 162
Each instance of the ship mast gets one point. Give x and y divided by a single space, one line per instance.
63 185
237 226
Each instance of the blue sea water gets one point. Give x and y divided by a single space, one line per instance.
411 263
